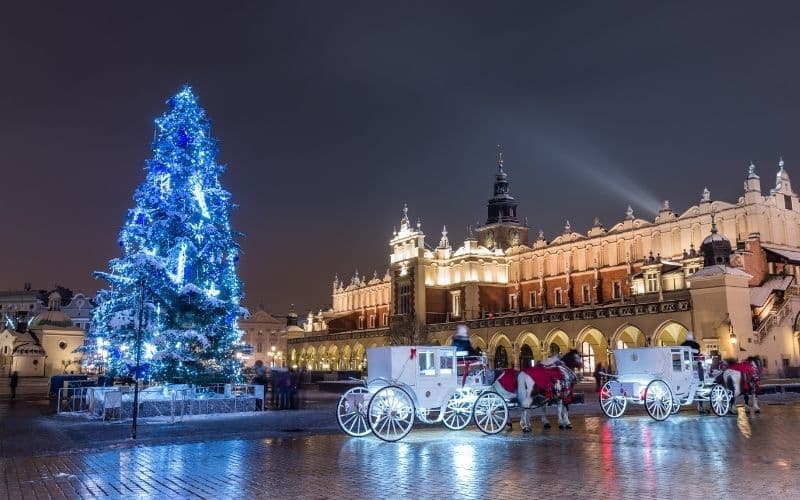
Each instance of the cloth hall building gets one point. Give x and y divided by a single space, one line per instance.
725 270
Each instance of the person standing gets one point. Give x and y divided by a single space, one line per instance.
598 376
260 378
13 383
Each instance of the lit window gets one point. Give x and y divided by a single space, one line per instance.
587 296
455 298
532 299
559 297
512 301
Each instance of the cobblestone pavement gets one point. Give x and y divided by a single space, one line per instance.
302 455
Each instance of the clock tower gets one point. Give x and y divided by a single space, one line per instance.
502 229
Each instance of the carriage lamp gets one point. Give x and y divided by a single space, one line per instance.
733 338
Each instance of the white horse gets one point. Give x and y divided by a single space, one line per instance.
541 385
743 379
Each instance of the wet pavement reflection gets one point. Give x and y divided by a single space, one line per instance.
686 456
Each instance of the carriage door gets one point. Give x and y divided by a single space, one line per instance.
427 379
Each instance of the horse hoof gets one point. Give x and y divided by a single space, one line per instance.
568 427
525 430
562 427
546 426
758 412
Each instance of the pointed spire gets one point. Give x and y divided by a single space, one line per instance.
629 213
751 171
470 236
780 162
404 222
444 242
500 161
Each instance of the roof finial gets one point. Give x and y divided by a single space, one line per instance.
500 157
713 223
706 195
780 162
444 242
629 213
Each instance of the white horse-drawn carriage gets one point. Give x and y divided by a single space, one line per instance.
663 379
430 383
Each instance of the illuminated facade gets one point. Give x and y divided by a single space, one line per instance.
638 282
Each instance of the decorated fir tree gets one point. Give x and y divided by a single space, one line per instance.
179 260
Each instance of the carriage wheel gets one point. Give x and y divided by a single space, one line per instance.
351 412
391 413
612 401
720 400
457 412
490 412
658 400
676 406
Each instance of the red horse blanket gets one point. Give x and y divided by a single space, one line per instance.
749 375
544 380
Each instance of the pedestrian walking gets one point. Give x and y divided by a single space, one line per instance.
13 383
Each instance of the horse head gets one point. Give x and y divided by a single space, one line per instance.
573 360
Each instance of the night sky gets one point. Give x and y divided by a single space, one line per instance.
331 115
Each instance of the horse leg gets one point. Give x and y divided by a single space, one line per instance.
746 402
524 423
563 416
755 404
545 420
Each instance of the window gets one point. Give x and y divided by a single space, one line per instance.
532 299
260 347
427 365
559 297
512 301
621 344
385 319
361 322
652 282
455 298
372 321
587 353
404 298
446 361
616 290
787 202
676 361
587 294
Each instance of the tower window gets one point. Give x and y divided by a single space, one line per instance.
787 202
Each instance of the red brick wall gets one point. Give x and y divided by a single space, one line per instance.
436 305
607 279
493 298
755 261
577 289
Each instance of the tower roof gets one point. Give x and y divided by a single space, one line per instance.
502 207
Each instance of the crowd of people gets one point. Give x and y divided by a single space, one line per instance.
284 386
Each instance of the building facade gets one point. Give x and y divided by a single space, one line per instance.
639 282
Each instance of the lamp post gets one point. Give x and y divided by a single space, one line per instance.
138 360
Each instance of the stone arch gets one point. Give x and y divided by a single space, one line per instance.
628 335
593 346
669 333
333 357
557 341
531 340
360 355
501 352
478 343
311 358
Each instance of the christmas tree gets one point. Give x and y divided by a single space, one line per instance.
178 269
